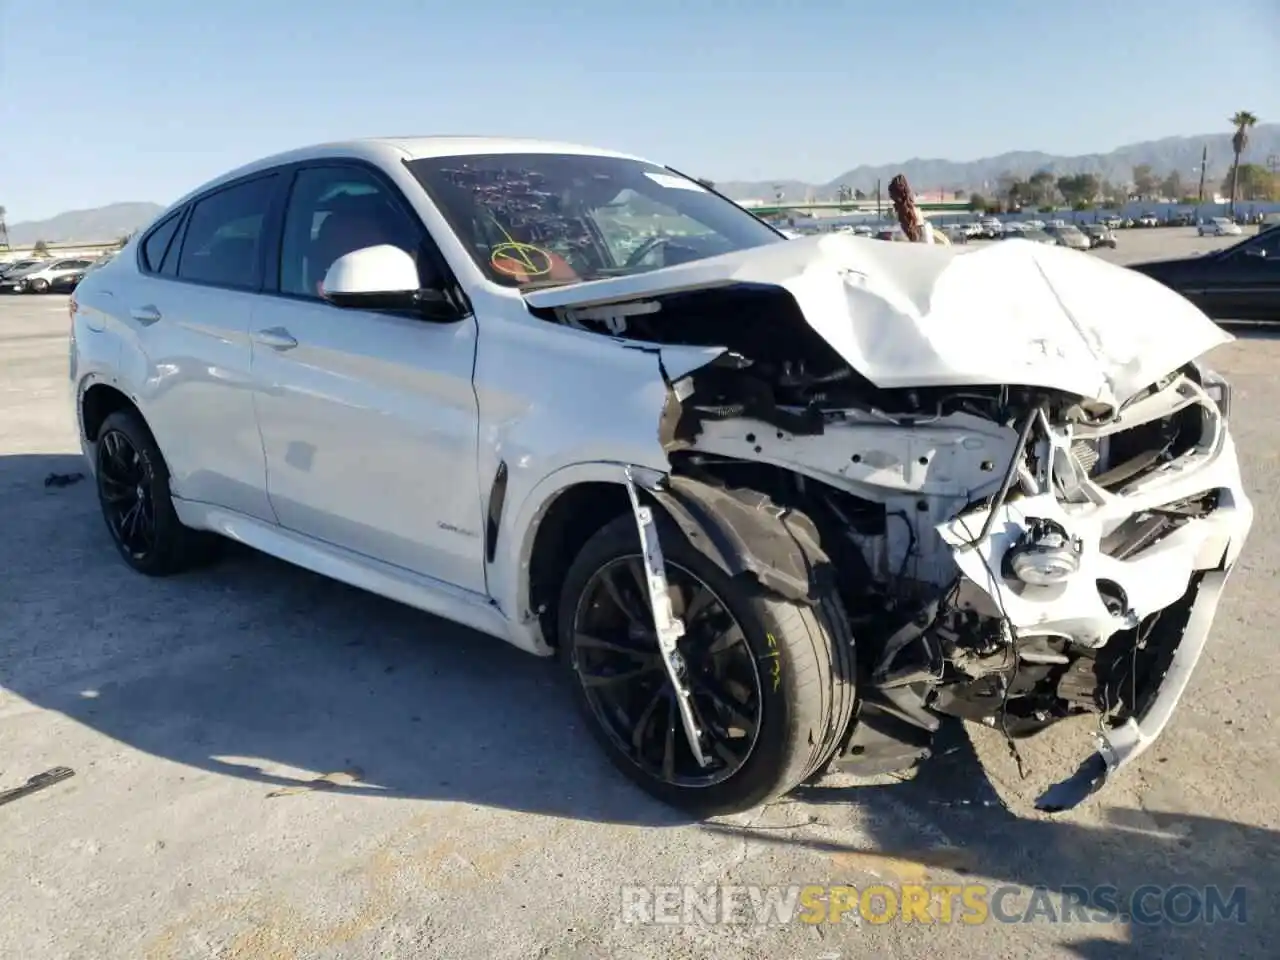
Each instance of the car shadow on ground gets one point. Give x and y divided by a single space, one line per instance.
259 670
1119 872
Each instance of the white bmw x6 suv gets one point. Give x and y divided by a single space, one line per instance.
780 505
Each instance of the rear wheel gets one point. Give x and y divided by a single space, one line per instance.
133 490
771 681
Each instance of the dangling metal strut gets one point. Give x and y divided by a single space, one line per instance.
666 624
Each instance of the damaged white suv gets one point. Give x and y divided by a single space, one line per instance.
780 505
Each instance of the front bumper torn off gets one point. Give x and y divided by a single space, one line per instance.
1177 580
1120 745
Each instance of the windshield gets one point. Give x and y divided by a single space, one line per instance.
540 219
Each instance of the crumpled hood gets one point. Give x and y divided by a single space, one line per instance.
916 315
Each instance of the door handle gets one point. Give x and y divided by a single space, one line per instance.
145 315
277 338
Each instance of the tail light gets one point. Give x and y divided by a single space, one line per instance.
72 307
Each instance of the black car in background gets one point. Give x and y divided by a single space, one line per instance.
1241 282
66 282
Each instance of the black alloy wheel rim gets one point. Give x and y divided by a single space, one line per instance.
618 662
124 486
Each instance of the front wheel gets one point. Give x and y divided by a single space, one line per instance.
39 285
771 681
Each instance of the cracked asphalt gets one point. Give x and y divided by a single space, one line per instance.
271 765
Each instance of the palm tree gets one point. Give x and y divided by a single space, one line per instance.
1243 121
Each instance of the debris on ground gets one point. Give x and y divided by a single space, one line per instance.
341 778
36 783
62 479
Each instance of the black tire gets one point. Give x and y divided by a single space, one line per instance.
39 285
172 547
805 667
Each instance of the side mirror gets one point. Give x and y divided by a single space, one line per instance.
384 278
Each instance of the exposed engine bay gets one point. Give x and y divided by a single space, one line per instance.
1011 555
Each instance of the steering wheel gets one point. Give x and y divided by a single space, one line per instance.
646 248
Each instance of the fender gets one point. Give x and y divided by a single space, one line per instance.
744 532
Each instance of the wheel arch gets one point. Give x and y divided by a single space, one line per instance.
741 530
98 400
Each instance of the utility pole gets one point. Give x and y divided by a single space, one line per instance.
879 214
1204 162
4 230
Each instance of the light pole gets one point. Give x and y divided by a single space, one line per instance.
1204 165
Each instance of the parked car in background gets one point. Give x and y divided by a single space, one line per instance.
1099 235
1037 236
890 232
1148 220
1112 222
990 228
13 280
66 282
381 361
1241 282
1068 235
13 266
40 279
1219 227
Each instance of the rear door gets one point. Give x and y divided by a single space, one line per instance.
189 308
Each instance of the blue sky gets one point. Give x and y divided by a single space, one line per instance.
106 100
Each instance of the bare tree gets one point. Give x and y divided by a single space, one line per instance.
41 249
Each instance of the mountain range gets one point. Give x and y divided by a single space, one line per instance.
925 175
85 226
1171 153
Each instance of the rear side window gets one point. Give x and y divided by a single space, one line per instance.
157 242
224 237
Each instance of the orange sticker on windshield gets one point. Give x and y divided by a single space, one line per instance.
520 260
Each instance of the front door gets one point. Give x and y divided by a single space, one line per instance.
368 419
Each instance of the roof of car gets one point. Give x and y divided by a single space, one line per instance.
396 149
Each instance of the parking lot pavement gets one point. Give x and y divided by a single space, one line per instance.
268 764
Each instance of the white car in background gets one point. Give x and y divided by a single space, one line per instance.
1219 227
990 227
778 506
41 278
